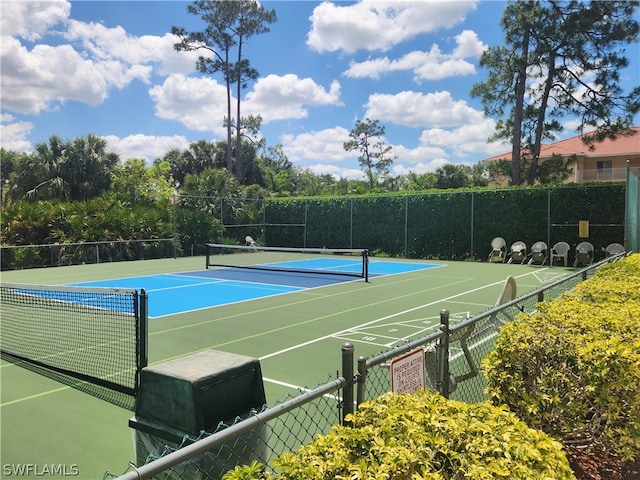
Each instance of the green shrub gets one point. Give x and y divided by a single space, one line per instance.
422 437
572 369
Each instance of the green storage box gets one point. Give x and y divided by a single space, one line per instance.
188 396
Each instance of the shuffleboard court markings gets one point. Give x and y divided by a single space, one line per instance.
475 304
338 335
392 334
298 388
547 275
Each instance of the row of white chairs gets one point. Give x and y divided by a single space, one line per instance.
538 255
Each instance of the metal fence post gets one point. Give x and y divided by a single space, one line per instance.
362 380
443 354
347 373
175 226
406 225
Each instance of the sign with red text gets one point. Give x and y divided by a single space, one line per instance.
408 373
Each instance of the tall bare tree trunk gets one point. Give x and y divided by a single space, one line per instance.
537 143
229 136
238 126
521 81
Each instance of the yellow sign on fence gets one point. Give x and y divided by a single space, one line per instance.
583 228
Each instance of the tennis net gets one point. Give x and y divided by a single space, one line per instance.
352 262
94 335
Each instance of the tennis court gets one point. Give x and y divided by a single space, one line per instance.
184 292
294 322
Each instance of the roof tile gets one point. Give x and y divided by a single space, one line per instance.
569 146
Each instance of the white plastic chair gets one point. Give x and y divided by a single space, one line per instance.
538 253
560 251
614 249
584 254
518 253
498 250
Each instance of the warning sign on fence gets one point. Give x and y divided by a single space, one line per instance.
408 373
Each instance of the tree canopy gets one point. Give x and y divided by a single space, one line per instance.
77 169
375 159
560 61
229 25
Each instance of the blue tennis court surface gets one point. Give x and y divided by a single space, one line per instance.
188 291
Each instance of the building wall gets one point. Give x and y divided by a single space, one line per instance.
595 169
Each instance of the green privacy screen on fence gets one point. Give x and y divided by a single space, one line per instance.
449 225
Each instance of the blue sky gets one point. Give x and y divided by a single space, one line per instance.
109 68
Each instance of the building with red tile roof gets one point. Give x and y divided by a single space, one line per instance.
603 161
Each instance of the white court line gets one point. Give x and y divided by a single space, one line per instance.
215 280
351 329
297 387
189 285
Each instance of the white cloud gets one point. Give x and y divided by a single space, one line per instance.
134 54
33 79
323 152
94 60
438 147
469 45
148 147
337 172
32 19
277 97
465 140
198 103
324 145
421 167
415 109
431 65
14 134
420 154
379 24
450 67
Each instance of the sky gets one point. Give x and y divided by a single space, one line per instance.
109 68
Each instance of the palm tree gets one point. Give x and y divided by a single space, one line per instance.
88 167
76 170
38 176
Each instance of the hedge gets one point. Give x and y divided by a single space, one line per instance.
572 369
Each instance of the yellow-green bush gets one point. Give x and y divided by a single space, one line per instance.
572 369
422 437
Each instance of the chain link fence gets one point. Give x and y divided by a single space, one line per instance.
82 253
452 356
260 436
